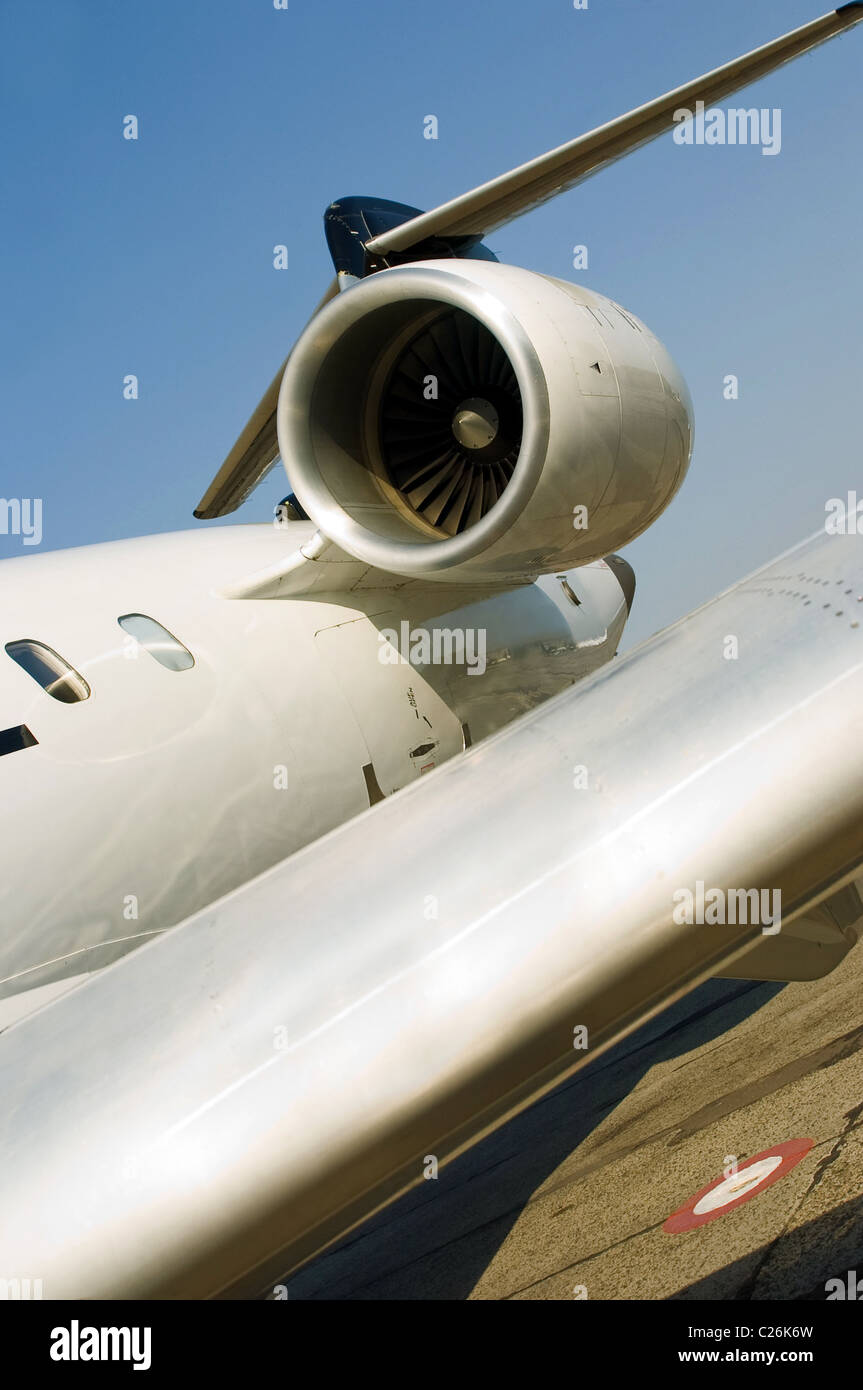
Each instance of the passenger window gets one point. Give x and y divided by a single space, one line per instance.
56 677
158 641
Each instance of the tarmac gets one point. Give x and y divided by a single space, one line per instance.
568 1200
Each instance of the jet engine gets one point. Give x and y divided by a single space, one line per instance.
472 420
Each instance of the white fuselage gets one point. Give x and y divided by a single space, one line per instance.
166 789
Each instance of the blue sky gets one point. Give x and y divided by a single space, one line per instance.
155 257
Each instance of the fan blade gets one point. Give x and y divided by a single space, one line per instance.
419 495
486 345
402 430
445 337
475 506
435 509
466 331
456 512
410 475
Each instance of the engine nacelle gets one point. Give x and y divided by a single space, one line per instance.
471 420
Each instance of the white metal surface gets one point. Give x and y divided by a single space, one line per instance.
214 1109
165 789
605 444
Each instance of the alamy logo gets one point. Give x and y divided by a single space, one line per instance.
77 1343
844 516
443 646
22 516
733 127
20 1289
738 907
850 1288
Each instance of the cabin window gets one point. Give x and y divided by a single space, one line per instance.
161 644
60 680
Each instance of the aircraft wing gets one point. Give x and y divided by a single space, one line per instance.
510 195
213 1110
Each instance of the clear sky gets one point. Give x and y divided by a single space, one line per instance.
155 256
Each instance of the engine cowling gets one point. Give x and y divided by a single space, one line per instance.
457 420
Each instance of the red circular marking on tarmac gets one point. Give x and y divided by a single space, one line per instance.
790 1153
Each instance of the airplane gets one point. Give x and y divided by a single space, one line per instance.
262 916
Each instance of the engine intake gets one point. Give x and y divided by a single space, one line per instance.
450 422
473 420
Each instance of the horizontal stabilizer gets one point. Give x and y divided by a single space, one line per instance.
255 451
510 195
